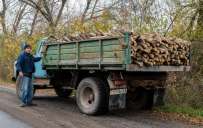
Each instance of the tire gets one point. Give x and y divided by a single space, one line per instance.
61 92
140 99
92 96
149 102
34 91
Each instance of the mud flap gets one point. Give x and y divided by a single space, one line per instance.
117 99
118 91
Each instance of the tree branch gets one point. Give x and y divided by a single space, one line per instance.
60 12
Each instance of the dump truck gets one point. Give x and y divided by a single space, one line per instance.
100 72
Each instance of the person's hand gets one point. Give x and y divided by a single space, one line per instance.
21 74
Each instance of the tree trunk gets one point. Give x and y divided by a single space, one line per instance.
60 12
2 17
34 22
85 11
200 18
200 21
18 17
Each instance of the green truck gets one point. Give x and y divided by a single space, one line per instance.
101 72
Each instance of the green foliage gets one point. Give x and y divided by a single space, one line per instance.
180 30
187 91
187 23
10 49
101 23
182 110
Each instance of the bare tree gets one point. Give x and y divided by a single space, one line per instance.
34 22
200 18
93 9
19 17
88 2
43 7
2 16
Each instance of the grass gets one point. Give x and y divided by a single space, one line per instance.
186 110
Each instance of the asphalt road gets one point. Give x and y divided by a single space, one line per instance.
7 121
54 112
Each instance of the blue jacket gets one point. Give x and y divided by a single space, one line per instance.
25 63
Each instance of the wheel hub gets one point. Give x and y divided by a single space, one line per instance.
87 98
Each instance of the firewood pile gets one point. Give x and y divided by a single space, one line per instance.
85 36
150 49
153 49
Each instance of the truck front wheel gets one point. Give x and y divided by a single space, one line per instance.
61 92
92 96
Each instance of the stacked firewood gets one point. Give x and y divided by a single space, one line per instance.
85 36
153 49
150 49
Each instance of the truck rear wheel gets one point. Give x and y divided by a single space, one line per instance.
92 96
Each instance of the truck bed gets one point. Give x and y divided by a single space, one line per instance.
96 54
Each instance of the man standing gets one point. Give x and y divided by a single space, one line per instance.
25 68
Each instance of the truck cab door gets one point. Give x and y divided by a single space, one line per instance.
39 72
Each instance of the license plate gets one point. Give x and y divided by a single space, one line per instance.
118 91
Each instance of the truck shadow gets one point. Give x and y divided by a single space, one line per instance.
68 106
71 103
